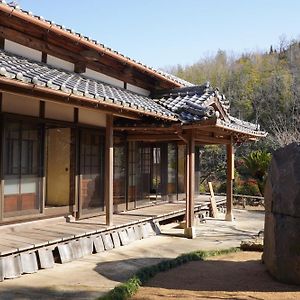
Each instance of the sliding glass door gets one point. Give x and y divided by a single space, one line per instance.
120 162
91 185
22 165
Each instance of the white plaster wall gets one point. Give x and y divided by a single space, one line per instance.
92 117
59 111
20 105
60 63
102 77
138 90
21 50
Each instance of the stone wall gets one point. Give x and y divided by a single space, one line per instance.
282 221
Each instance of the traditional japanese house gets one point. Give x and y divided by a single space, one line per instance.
87 131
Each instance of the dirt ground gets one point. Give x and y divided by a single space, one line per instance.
234 276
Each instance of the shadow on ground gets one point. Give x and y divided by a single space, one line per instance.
122 270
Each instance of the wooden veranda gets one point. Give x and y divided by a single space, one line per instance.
18 238
207 132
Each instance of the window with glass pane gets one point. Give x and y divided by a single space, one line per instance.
119 174
132 172
21 166
92 170
181 168
197 170
143 173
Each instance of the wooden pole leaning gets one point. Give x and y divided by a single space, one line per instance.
230 178
109 170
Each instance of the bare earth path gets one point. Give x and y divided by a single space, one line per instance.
234 276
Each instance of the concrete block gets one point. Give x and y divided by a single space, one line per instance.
65 253
124 237
138 231
156 227
149 229
12 266
98 243
45 258
76 249
190 232
86 245
131 234
107 241
29 262
116 239
145 232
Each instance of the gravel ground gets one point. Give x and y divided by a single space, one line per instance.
234 276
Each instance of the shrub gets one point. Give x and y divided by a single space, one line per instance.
248 187
130 287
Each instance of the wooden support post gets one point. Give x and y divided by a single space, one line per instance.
190 187
109 170
229 185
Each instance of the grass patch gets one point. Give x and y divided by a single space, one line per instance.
129 288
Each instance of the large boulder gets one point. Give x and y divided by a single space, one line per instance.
282 221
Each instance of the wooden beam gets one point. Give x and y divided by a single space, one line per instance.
2 40
152 138
230 178
214 209
144 128
1 101
13 16
44 57
190 201
209 139
63 48
109 170
200 124
80 67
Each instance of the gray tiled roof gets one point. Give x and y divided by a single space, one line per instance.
197 103
188 104
25 70
62 27
193 103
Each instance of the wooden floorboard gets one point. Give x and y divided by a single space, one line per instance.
41 235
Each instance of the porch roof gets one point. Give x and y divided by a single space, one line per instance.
202 106
199 106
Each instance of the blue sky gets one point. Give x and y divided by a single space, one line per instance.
162 33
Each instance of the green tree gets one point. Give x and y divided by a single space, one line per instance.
257 164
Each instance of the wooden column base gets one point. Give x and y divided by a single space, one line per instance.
229 216
190 232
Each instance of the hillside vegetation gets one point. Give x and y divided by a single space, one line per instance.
262 88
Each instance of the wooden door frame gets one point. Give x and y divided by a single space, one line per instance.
79 211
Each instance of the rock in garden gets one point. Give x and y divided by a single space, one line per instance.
282 220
